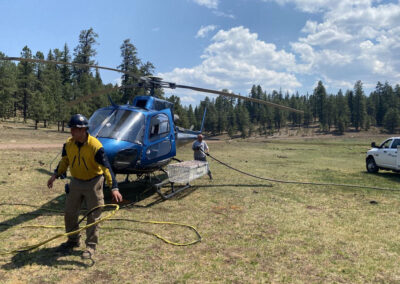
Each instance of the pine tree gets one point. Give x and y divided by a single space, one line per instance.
350 103
321 104
243 119
8 73
359 109
191 117
25 81
342 116
222 108
37 105
130 63
392 119
180 111
65 69
84 53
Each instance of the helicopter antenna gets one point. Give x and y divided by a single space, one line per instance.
111 101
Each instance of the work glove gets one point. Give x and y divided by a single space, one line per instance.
207 154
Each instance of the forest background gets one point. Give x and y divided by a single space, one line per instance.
42 92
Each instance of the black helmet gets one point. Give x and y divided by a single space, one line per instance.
78 120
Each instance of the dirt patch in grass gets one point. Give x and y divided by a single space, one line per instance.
27 146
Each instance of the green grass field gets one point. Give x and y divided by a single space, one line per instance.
252 231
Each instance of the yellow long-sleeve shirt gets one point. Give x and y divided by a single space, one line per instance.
86 161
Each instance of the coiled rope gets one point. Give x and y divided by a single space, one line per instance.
115 207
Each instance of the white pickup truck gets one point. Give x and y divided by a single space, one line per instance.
384 156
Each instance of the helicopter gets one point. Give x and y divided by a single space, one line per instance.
141 137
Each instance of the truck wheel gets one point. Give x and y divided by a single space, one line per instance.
371 165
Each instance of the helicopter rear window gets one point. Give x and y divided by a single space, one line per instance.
124 125
141 103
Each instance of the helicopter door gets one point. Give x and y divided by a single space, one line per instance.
160 138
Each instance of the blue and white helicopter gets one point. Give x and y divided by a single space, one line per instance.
141 137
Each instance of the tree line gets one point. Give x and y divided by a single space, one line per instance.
42 92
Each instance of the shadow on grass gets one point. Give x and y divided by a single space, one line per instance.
49 208
47 257
235 185
388 175
44 171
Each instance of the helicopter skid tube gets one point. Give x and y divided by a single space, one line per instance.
174 190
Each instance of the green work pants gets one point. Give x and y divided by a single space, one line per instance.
92 192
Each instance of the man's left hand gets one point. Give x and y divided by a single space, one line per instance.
116 196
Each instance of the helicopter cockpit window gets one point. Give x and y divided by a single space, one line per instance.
97 118
124 125
159 127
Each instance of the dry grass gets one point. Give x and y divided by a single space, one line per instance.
253 231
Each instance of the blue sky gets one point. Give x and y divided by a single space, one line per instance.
231 44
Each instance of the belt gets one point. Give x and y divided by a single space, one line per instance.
87 180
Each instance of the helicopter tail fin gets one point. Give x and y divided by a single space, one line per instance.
204 118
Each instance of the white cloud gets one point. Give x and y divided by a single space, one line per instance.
204 30
211 4
188 100
356 40
310 6
223 14
236 59
353 40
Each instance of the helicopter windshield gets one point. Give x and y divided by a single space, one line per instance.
97 118
124 125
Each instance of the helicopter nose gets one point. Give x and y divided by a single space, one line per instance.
125 159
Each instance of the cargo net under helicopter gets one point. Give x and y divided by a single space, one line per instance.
187 171
181 173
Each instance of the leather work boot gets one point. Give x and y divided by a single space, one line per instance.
67 247
88 252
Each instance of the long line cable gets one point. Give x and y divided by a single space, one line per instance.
299 182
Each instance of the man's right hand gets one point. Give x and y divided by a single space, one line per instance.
116 196
51 181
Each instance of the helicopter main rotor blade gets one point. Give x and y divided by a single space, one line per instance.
238 97
31 60
147 80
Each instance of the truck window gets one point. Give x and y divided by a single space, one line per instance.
386 144
396 143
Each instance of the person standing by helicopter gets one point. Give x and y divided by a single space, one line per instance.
201 150
84 155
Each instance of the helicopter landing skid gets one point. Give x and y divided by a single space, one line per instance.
173 191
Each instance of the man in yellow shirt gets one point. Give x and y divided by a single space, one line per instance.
84 155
